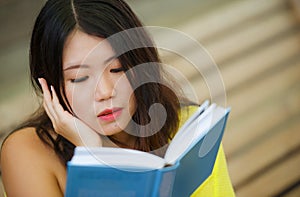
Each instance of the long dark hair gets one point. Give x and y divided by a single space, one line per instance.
102 18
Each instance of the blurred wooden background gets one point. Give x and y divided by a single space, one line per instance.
256 46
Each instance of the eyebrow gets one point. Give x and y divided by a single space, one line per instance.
76 66
86 66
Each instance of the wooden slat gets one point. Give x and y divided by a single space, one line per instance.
266 150
240 102
266 88
274 180
246 67
226 17
24 102
229 14
240 40
293 193
244 38
296 8
168 10
16 56
261 119
251 66
16 19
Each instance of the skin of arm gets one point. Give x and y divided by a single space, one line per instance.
31 168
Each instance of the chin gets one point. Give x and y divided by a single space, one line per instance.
110 130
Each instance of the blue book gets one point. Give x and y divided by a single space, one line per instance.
188 162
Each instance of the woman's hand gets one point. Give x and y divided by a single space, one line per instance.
64 123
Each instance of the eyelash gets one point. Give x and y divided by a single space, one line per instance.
79 79
116 70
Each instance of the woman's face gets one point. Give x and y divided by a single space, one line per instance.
96 86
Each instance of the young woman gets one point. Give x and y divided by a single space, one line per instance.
87 101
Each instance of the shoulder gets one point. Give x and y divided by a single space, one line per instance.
26 161
20 135
25 143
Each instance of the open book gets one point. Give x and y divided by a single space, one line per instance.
189 160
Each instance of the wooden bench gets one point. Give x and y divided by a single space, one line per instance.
256 45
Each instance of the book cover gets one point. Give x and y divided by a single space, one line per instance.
188 161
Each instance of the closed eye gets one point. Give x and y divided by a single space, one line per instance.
116 70
80 79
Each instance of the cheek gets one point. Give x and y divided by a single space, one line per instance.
132 105
123 88
128 95
78 100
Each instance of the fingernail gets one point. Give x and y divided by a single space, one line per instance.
52 89
39 79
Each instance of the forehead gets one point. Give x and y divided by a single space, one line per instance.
81 48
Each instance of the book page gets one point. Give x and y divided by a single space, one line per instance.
194 116
187 135
116 158
190 120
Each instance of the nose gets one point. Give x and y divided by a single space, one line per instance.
104 89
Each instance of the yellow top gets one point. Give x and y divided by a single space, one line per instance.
218 183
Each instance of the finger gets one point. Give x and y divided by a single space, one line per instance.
65 119
45 89
57 106
53 120
47 100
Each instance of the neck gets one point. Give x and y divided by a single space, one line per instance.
123 140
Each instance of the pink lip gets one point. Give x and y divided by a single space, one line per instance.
110 114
